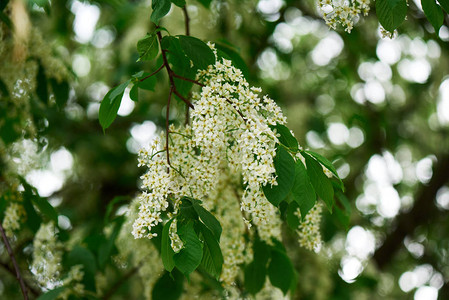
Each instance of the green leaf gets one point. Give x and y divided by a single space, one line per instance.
325 162
61 91
8 132
148 84
261 252
82 256
189 258
444 4
137 75
106 249
53 294
208 219
212 260
180 64
343 214
391 13
111 204
45 208
320 182
3 89
40 3
110 105
255 275
160 9
3 4
33 220
434 13
187 211
41 85
179 3
148 47
229 52
280 271
200 54
4 17
134 93
205 3
285 171
167 252
292 218
168 287
286 138
303 191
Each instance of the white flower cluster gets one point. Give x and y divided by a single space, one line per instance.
387 34
15 213
73 283
47 264
309 229
344 12
229 133
47 256
223 159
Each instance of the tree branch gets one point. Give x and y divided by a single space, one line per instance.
170 72
422 212
13 273
14 262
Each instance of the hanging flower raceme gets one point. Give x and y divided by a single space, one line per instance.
226 175
343 12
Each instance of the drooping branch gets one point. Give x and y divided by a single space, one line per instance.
422 212
14 262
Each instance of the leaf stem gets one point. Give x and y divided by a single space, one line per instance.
154 73
188 79
14 262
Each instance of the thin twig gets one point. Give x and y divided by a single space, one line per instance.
188 79
14 262
186 19
167 129
237 110
183 99
187 25
13 273
155 72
